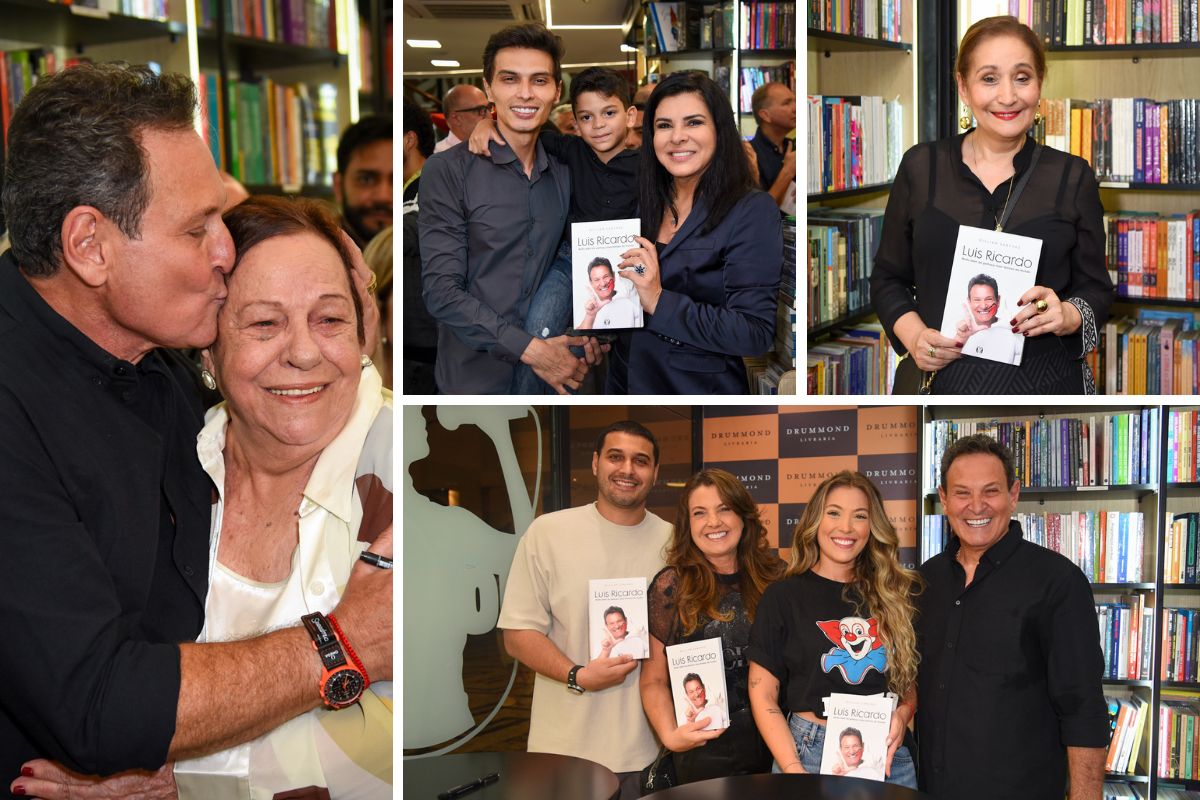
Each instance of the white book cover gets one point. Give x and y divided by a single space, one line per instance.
618 618
603 299
856 732
991 271
697 675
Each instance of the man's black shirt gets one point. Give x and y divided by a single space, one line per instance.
1010 673
770 158
104 524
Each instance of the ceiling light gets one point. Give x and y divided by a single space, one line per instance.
434 43
441 62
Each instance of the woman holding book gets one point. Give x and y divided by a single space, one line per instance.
840 621
708 263
995 177
718 564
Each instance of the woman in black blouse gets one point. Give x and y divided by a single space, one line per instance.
968 180
718 564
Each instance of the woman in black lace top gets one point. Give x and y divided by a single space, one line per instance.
718 564
969 180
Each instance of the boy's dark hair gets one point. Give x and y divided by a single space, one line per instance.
615 610
633 429
984 280
417 120
979 443
691 676
76 140
725 181
532 36
600 261
362 133
604 82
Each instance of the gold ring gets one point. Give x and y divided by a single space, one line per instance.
1041 306
932 351
372 282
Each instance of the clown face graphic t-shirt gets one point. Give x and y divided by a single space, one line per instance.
816 642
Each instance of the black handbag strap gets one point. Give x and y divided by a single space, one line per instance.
1020 187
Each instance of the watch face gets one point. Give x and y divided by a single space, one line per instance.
343 688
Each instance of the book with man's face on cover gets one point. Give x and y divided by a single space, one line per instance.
602 299
617 618
990 273
697 674
856 730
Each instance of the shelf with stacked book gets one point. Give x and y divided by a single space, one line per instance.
861 110
77 26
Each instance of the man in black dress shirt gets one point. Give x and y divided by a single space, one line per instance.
114 211
489 228
774 107
1010 680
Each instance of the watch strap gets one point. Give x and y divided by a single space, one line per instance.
572 683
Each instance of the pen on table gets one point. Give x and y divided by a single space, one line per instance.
466 788
375 560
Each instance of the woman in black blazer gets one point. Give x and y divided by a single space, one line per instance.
709 259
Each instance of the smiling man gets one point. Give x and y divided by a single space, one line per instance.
1010 689
489 228
545 613
118 249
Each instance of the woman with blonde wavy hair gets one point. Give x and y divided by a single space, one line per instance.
718 565
840 621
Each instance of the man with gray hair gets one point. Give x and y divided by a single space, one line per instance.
118 248
1010 681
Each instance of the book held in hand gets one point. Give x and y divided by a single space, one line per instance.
601 298
856 732
697 675
991 271
617 618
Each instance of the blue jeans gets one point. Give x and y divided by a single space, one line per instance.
810 740
549 315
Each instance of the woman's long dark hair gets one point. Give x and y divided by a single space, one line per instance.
725 181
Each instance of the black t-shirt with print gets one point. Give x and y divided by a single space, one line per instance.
813 640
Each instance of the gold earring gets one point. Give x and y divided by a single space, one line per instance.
964 121
1037 118
208 380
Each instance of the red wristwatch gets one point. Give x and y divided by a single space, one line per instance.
342 682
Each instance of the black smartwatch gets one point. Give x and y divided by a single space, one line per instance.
572 684
341 684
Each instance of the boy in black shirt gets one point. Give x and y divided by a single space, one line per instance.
603 187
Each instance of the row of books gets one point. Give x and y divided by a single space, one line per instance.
1099 22
19 71
1113 449
1118 790
1107 546
1126 139
858 359
1128 721
873 19
853 141
935 532
143 9
308 23
785 319
1178 737
1152 354
1183 445
1180 549
754 77
768 26
841 249
279 134
1154 255
1180 643
1127 638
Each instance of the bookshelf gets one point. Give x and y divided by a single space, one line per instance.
1162 71
225 46
1159 491
856 57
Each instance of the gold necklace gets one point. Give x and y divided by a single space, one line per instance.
1011 181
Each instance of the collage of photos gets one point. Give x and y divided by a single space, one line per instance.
987 595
